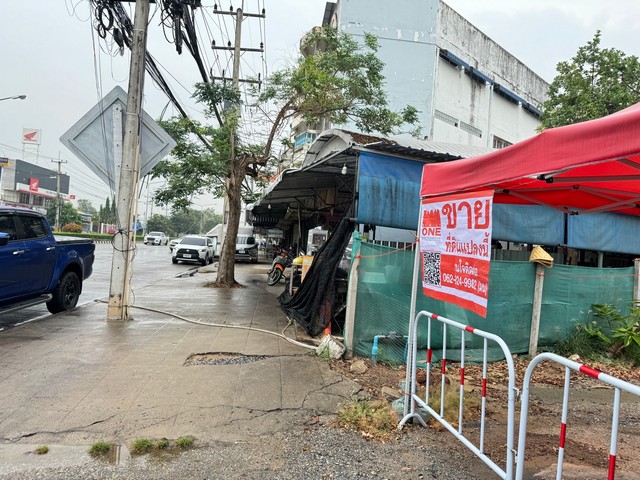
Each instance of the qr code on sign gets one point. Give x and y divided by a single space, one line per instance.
431 268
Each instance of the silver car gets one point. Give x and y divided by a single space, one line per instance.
156 238
193 248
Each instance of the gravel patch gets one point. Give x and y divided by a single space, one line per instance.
317 452
222 358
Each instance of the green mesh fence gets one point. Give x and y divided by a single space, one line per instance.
384 300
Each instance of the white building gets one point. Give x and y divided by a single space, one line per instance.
27 185
469 90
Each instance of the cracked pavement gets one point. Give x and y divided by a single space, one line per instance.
75 378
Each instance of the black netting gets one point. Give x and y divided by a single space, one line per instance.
313 304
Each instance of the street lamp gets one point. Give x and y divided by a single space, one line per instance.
15 97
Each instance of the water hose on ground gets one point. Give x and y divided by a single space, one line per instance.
219 325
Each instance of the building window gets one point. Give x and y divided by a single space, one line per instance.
25 198
499 143
471 129
446 118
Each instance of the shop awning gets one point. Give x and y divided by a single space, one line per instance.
583 168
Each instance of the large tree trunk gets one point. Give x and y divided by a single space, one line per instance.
226 266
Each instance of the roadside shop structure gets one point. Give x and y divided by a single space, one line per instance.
573 187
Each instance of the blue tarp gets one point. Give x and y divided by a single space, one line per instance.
388 191
389 196
608 232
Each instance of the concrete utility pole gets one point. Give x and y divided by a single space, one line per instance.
56 227
124 240
235 82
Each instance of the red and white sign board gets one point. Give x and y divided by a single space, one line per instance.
34 184
31 136
455 242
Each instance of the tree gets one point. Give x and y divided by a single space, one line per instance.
340 81
159 223
68 214
194 221
85 206
596 82
107 213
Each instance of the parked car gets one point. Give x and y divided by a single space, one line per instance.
246 248
193 248
37 266
173 243
156 238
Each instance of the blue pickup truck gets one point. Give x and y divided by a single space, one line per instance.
36 266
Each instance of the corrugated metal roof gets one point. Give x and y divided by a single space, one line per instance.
334 140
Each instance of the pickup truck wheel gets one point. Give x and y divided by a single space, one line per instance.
204 261
66 294
174 260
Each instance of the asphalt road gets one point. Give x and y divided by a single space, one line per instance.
149 263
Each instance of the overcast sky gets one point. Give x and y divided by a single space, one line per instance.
50 52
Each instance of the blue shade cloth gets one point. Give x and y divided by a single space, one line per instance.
607 232
528 224
388 191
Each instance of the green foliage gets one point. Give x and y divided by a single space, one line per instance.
596 82
85 206
159 223
184 442
373 418
107 212
612 335
184 221
586 342
339 80
42 449
141 445
68 214
72 228
99 449
162 444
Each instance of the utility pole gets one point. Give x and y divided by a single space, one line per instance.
56 227
235 82
124 239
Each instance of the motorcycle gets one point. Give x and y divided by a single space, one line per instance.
281 261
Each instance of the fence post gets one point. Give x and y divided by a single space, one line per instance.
636 281
350 314
537 306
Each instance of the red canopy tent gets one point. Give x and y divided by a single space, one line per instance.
583 168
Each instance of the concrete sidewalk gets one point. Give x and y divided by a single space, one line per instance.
75 378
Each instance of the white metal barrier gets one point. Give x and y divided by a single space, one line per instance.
415 399
591 372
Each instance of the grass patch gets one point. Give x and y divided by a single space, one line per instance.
184 442
42 449
162 444
141 445
470 410
375 419
99 449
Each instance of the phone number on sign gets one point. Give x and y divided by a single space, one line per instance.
466 282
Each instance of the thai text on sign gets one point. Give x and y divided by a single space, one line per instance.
455 241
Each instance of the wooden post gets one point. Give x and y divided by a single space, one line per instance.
350 314
636 281
537 306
